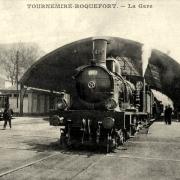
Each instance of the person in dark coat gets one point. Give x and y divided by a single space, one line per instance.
167 114
7 115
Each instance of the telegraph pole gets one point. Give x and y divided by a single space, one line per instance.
144 95
17 72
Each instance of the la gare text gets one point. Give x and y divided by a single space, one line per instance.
142 6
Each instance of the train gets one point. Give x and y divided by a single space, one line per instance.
106 108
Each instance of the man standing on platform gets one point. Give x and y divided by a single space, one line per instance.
7 115
168 113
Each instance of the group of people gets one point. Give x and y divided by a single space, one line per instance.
158 109
7 116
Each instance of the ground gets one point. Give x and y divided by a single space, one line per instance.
30 150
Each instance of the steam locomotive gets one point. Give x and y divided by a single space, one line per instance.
105 109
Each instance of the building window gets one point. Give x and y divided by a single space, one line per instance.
16 95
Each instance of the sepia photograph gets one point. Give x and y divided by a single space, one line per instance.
90 90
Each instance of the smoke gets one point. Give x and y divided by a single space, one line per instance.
146 54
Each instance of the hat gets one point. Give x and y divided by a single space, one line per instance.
63 92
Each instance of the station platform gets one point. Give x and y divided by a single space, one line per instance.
161 130
30 150
152 154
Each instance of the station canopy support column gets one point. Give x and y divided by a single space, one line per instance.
22 93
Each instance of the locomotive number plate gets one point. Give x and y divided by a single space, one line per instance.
92 72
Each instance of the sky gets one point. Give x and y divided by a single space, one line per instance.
157 27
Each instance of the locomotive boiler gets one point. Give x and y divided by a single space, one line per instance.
96 113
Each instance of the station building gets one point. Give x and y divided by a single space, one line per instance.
35 101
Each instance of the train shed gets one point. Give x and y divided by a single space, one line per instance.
162 73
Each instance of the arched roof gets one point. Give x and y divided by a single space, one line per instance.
51 71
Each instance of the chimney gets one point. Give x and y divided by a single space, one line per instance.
99 51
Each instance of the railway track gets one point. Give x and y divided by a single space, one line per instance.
40 142
26 165
72 159
36 155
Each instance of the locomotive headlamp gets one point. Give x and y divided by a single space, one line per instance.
108 122
62 104
110 104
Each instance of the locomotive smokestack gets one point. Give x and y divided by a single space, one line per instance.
99 51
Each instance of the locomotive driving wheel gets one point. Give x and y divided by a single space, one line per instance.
63 139
109 145
120 137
